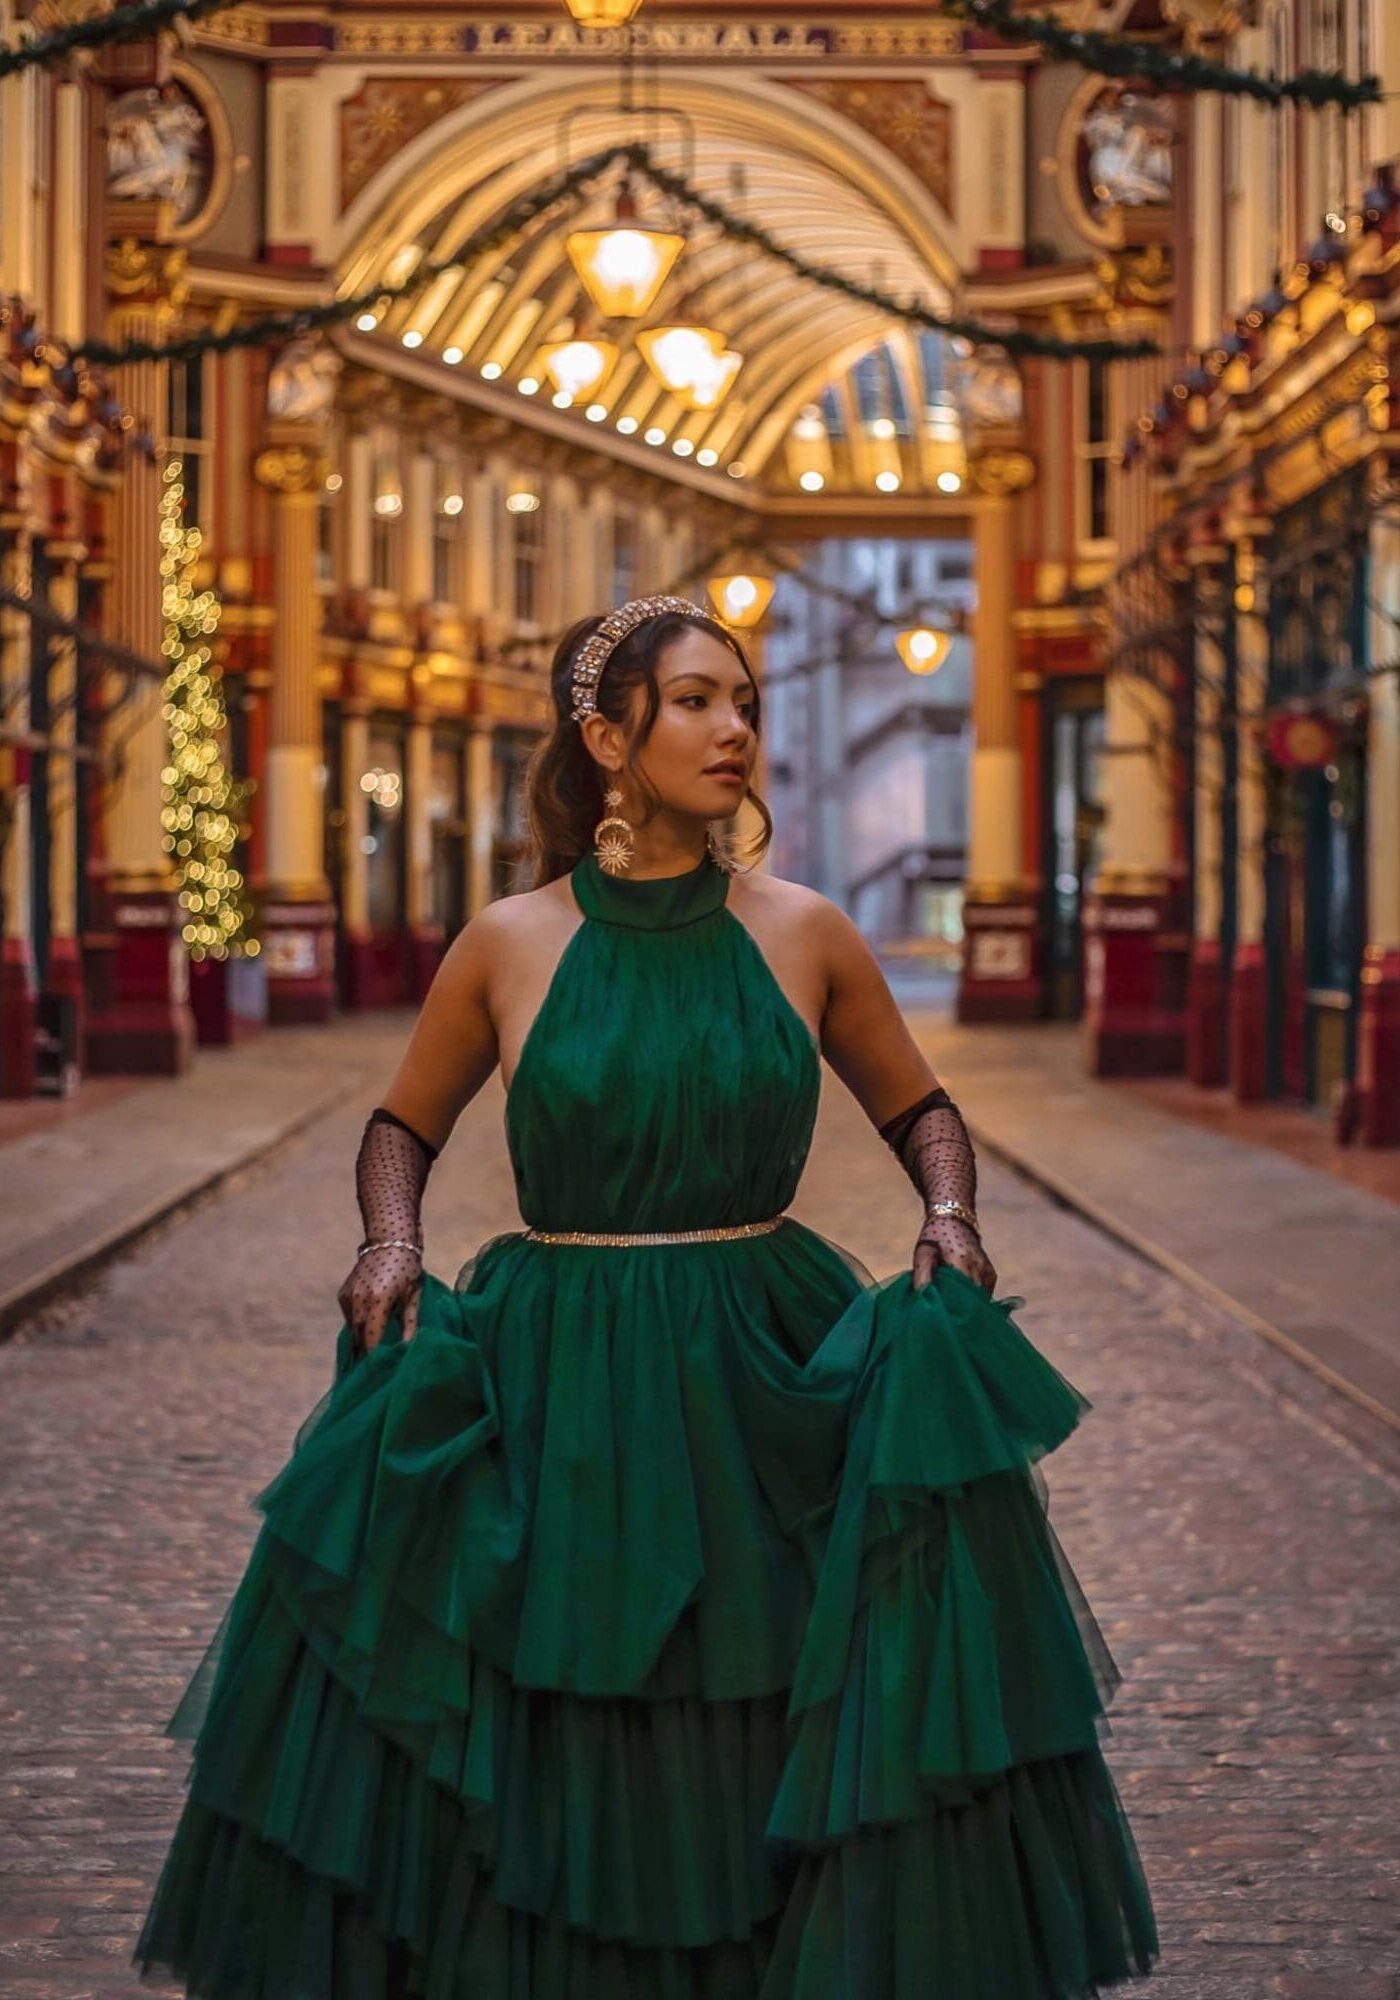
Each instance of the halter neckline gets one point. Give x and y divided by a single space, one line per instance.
650 903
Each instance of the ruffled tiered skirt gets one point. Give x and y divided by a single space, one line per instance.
680 1623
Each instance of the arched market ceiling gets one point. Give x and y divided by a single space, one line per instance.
816 182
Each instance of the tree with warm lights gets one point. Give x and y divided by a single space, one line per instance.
201 802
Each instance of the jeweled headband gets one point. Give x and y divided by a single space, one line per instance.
594 653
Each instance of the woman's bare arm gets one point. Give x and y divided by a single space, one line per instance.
863 1033
866 1041
452 1050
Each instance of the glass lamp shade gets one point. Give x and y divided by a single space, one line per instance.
577 366
680 356
741 599
602 13
922 649
715 383
623 266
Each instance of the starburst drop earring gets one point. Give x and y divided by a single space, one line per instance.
612 837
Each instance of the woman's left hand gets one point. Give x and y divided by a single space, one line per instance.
945 1240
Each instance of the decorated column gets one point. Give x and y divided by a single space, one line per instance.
481 812
425 930
296 912
1205 996
1378 1067
63 973
1248 1007
1000 975
354 875
145 1024
17 975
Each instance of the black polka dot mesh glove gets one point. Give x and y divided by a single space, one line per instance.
391 1172
931 1143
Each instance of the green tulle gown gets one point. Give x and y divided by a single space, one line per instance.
677 1622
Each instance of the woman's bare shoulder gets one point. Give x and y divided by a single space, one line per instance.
784 901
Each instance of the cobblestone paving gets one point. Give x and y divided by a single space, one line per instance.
1241 1550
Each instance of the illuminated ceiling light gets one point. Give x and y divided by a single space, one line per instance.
707 455
452 504
882 427
809 449
520 500
528 386
683 447
923 648
716 382
413 338
577 366
334 482
654 435
627 425
943 452
888 482
691 362
562 400
602 13
741 599
491 371
367 322
596 412
737 469
452 355
623 265
388 506
949 482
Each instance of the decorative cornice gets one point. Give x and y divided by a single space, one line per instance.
289 468
679 41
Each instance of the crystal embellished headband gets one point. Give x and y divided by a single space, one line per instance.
597 649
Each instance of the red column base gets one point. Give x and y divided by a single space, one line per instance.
146 1027
1249 1026
18 1005
426 945
1205 1015
1000 979
1378 1055
298 944
1134 1024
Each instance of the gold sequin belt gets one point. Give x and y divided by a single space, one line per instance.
624 1237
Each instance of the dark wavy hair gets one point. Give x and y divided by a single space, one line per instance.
564 785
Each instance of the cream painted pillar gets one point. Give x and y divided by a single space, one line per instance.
481 812
144 1025
1136 788
17 974
1000 977
357 499
1248 981
424 923
419 507
297 914
1379 1051
354 762
64 974
1205 996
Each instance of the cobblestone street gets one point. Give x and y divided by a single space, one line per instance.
1240 1548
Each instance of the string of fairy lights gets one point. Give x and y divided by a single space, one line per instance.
201 802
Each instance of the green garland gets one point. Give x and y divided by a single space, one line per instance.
280 326
127 24
1092 49
1124 56
1016 341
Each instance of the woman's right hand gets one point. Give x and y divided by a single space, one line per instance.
380 1281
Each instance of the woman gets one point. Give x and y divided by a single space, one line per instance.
666 1611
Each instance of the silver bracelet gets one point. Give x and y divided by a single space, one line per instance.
397 1244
